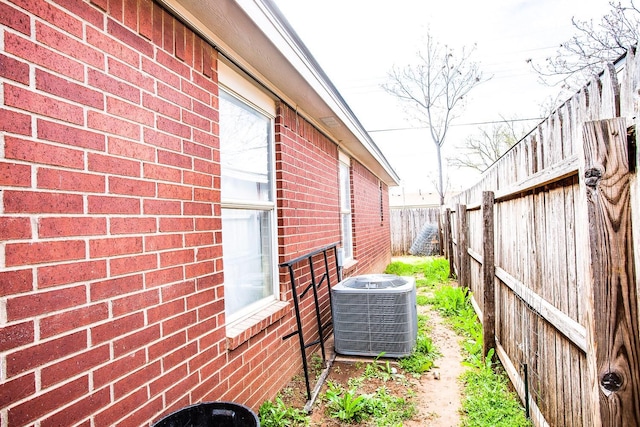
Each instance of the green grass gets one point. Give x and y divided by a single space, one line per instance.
422 300
429 271
487 401
425 353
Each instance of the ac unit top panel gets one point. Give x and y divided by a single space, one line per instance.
375 283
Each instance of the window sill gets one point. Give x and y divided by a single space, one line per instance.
240 331
349 267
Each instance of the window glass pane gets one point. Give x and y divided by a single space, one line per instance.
246 245
347 244
345 190
345 211
244 145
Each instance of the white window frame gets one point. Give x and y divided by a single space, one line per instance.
344 167
234 84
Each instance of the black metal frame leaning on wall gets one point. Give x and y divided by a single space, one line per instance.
297 298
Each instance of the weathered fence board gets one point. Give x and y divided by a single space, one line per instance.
571 329
614 332
488 275
406 224
564 270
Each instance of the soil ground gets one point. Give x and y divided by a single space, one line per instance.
437 392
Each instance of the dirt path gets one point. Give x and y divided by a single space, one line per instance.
439 399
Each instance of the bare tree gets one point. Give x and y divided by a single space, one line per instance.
593 45
481 150
433 90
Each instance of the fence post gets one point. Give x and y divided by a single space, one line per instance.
440 235
488 275
448 241
613 335
463 247
452 258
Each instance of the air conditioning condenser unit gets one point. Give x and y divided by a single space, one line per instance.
374 314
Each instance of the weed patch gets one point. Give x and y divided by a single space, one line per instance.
381 407
488 401
425 352
278 414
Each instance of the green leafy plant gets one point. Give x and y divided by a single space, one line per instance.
425 352
316 365
423 356
277 414
380 369
436 271
386 409
333 389
345 405
423 323
450 301
356 382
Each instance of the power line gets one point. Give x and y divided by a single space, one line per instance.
457 124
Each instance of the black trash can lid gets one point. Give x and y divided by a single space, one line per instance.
211 414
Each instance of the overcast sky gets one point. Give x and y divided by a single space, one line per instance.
356 42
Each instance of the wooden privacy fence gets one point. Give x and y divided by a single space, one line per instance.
406 225
545 243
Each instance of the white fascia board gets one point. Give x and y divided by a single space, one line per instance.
316 76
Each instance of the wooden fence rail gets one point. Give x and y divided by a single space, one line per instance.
545 243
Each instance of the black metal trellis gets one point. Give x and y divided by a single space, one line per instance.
314 285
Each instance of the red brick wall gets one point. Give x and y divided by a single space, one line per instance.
111 283
372 229
307 180
308 207
111 295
